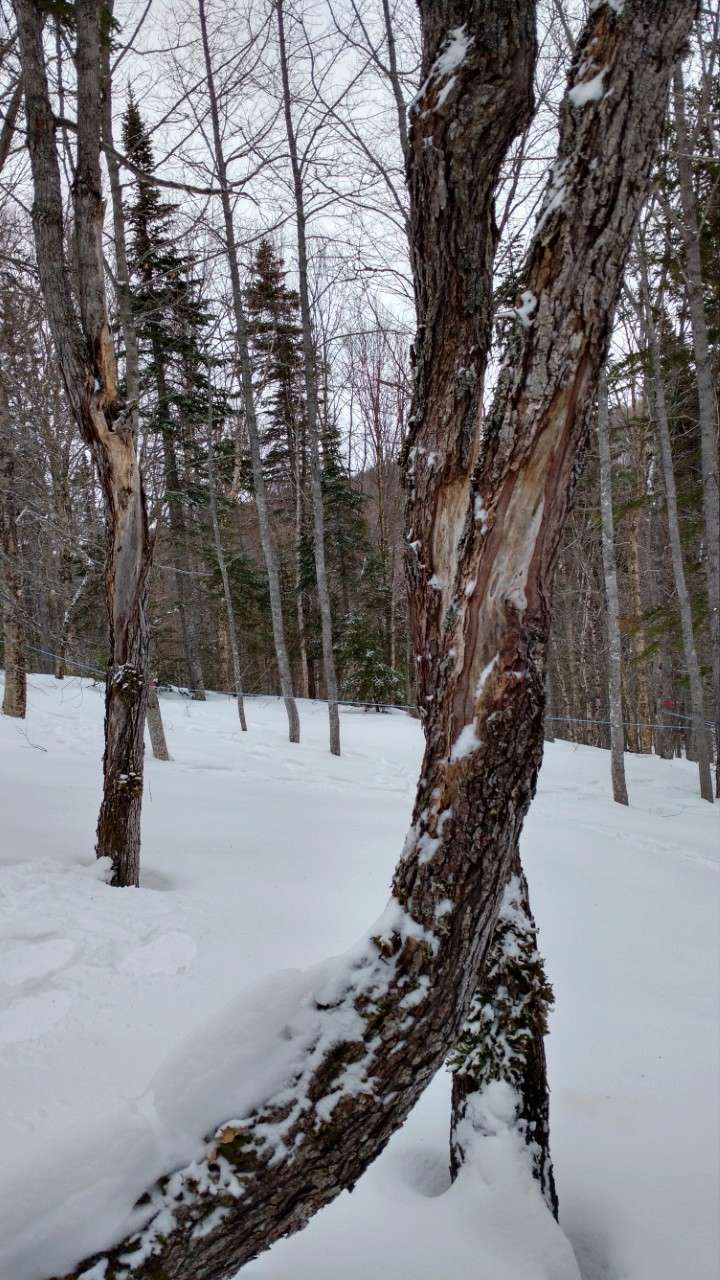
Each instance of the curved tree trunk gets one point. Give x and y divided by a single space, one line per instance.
261 502
87 360
485 524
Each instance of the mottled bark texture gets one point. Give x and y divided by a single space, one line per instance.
87 360
502 1042
15 687
612 602
487 503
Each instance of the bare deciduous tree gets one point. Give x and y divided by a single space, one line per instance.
486 506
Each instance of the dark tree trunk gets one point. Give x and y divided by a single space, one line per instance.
15 690
502 1041
485 523
87 360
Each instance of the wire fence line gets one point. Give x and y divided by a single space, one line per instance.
368 703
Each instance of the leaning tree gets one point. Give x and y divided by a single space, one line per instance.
488 494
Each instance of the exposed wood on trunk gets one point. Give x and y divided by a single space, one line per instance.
87 360
373 1037
617 740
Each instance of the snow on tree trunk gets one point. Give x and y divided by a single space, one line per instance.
498 1063
84 347
487 504
617 740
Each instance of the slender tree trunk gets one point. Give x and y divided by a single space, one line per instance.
707 402
261 502
180 548
642 701
15 691
484 528
617 740
502 1043
158 741
300 603
702 744
87 361
222 566
311 403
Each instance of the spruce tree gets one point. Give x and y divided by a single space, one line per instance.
170 321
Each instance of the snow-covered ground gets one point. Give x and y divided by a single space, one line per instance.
259 856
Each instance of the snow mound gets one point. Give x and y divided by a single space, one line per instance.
132 1022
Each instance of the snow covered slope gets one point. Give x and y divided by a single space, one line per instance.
258 856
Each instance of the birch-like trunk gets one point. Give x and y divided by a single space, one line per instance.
241 333
706 393
692 664
225 579
311 400
612 604
15 690
87 360
486 519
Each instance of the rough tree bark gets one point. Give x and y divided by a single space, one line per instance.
156 729
487 502
15 690
241 330
311 399
692 664
617 740
707 401
502 1042
87 360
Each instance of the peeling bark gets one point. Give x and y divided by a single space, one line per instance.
87 361
370 1041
